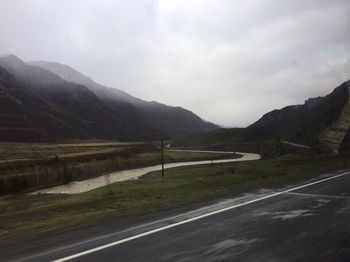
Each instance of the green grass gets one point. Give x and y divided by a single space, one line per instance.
26 215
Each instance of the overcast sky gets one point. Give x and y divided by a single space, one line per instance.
229 61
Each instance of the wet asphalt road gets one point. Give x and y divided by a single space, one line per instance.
309 224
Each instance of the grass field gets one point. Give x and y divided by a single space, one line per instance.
17 151
27 167
27 215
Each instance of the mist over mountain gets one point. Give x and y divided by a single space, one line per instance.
44 101
169 120
71 75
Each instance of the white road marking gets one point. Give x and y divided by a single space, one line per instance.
195 218
318 195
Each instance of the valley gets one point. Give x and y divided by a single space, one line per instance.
76 155
174 131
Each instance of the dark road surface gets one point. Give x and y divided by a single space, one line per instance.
311 223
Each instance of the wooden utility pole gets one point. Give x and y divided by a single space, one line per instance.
162 154
279 146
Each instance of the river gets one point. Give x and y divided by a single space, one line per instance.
78 187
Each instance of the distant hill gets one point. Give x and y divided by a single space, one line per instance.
321 120
57 103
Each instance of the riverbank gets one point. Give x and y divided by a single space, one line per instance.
120 176
30 167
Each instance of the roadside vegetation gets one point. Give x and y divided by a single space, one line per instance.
28 167
27 215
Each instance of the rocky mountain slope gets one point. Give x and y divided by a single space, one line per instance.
40 105
321 120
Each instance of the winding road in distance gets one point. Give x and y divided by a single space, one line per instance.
77 187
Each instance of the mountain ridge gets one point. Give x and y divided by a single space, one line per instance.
74 111
158 114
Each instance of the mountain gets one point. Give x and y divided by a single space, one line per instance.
308 123
161 119
321 120
41 105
